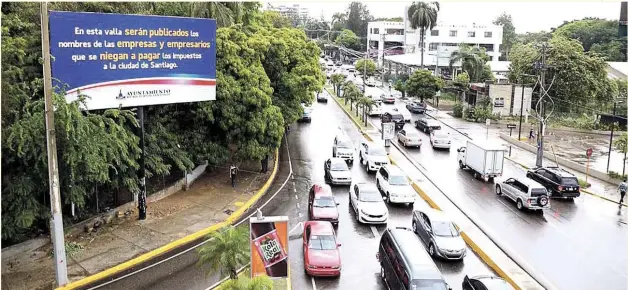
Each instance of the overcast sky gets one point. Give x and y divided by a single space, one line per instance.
527 16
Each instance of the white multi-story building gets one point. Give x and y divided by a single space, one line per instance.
399 37
293 12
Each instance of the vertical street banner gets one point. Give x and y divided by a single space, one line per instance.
269 246
117 60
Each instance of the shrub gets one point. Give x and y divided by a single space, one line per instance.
458 109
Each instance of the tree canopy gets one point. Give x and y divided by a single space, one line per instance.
365 65
265 70
348 39
509 34
597 35
423 84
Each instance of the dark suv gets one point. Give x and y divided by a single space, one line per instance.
395 118
559 182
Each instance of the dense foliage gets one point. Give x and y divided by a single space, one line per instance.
422 84
596 35
265 70
365 65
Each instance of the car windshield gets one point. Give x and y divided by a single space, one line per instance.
397 117
326 242
370 196
570 181
398 180
344 144
428 285
432 124
339 166
444 229
412 134
324 201
438 134
377 151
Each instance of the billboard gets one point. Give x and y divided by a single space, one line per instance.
269 246
119 60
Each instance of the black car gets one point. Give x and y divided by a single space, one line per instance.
395 118
559 182
415 107
485 282
427 125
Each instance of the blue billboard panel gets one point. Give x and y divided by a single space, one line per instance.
133 60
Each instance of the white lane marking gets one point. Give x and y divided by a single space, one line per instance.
300 215
296 196
313 284
300 224
298 206
375 232
294 189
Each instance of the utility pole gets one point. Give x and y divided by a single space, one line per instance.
523 87
383 54
141 199
56 219
539 152
610 144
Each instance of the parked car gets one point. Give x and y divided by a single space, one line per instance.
409 138
322 204
485 282
337 172
343 148
394 185
427 125
404 264
394 117
373 155
321 98
440 139
388 98
559 182
320 249
439 234
526 192
416 107
367 202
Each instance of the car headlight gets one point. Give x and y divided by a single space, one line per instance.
363 212
335 267
312 267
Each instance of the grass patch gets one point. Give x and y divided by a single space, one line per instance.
71 249
278 284
583 184
349 109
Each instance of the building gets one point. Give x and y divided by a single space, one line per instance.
293 12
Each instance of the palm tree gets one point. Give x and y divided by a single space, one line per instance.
336 80
366 104
227 250
423 16
245 283
471 60
221 11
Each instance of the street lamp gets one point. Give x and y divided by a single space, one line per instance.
610 144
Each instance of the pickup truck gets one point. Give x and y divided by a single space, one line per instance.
373 156
483 159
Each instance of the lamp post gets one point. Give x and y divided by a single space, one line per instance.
523 88
610 143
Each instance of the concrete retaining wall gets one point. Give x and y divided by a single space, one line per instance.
190 177
562 161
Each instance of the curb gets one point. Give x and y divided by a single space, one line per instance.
466 238
360 127
177 243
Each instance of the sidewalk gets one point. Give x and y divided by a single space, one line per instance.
210 200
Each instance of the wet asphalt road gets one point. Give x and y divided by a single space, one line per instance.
310 146
577 244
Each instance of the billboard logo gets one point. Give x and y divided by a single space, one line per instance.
143 94
269 252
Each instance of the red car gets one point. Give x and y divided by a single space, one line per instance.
322 205
321 256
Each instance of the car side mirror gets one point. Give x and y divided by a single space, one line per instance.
458 150
339 244
387 153
337 203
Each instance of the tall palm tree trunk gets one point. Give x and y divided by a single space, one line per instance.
421 40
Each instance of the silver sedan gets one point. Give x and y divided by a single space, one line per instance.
439 234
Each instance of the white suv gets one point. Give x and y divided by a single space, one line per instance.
373 155
394 185
343 148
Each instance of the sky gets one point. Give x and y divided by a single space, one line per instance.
527 16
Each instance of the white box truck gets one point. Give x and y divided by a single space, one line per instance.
485 160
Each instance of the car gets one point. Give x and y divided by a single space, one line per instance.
394 185
416 107
394 117
485 282
322 205
526 192
360 86
376 110
559 182
427 125
337 172
407 116
388 98
343 148
439 234
321 98
321 256
409 138
440 139
307 113
370 81
373 155
367 202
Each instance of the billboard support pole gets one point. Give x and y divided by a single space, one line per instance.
56 219
141 199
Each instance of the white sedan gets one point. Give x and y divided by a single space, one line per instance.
409 138
367 203
440 139
376 110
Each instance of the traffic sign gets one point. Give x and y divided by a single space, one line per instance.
511 126
488 122
589 152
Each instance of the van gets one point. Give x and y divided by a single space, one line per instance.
343 148
405 264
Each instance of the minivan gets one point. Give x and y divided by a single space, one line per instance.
405 264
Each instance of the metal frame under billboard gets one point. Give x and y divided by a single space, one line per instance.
119 60
269 246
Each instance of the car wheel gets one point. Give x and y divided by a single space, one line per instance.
498 190
528 175
460 165
476 175
431 250
414 227
424 130
387 197
382 274
368 166
519 204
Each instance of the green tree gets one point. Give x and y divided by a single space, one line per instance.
509 35
337 80
365 65
532 37
226 251
400 85
348 39
423 84
357 19
366 104
246 283
423 16
599 35
473 61
461 83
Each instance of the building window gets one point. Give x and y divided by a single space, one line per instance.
433 46
471 33
453 33
488 34
394 31
375 30
434 33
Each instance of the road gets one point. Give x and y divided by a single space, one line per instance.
577 244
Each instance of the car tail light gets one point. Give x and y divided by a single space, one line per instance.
560 188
